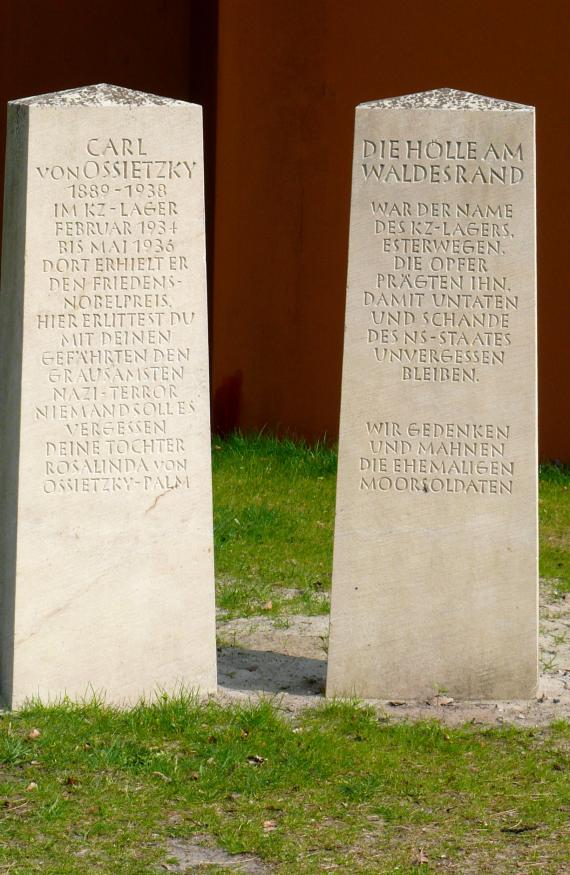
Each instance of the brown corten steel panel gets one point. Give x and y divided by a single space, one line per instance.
289 77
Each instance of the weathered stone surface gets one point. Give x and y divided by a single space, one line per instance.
107 554
435 563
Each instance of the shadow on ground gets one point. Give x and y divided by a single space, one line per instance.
270 672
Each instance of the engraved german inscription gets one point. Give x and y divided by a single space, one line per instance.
117 341
438 457
441 306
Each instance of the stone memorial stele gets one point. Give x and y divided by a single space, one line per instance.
106 509
435 555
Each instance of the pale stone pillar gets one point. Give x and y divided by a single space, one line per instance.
435 560
107 553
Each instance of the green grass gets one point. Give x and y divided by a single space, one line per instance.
554 514
273 518
339 788
274 523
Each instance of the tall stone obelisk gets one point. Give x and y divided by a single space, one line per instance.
435 557
106 506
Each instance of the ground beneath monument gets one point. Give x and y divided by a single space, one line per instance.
286 657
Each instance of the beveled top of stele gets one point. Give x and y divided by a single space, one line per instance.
99 95
447 98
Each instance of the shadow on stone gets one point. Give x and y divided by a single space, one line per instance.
267 671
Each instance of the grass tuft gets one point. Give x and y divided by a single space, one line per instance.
273 525
554 516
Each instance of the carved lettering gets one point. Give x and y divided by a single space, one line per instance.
117 347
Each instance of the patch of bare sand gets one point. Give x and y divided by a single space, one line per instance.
200 853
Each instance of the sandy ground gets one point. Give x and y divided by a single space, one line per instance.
286 658
192 855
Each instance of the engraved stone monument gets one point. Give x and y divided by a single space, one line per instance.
435 557
107 555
